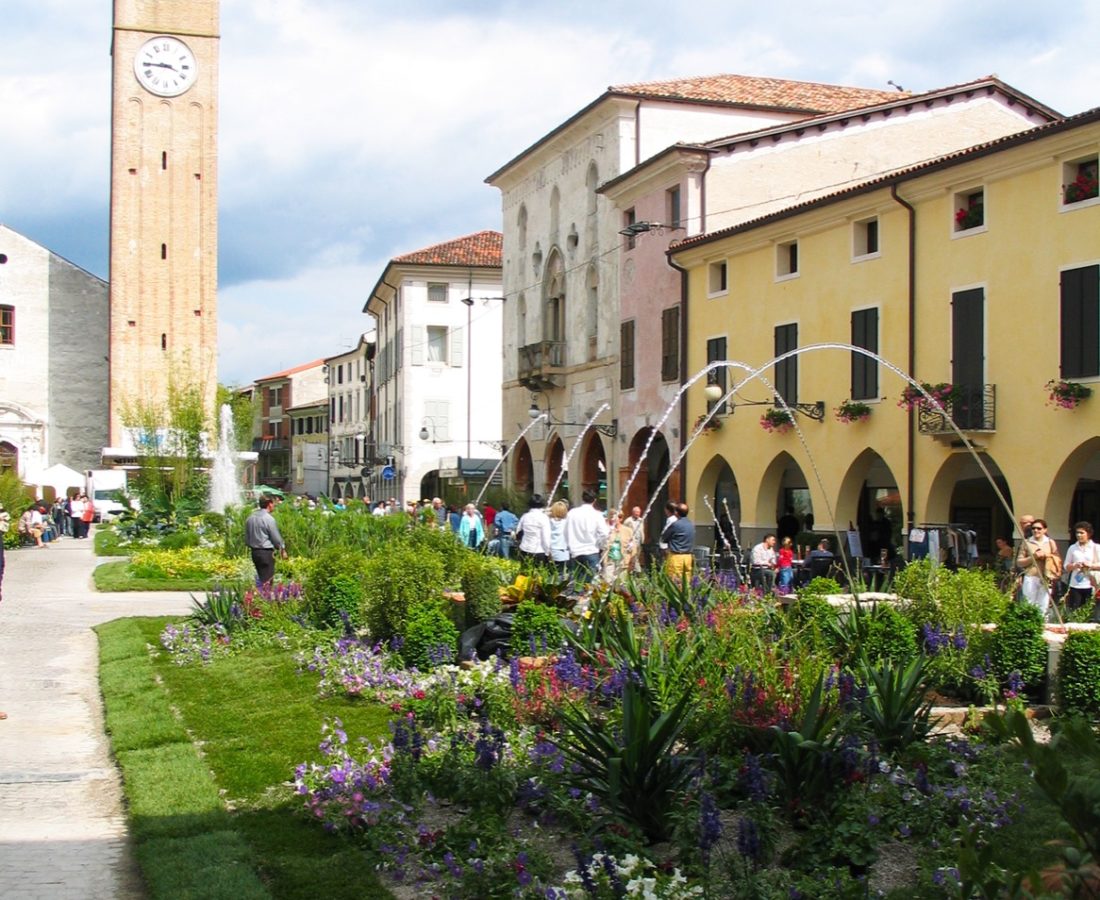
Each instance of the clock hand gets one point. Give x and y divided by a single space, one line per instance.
162 65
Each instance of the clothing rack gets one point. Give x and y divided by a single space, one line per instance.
953 532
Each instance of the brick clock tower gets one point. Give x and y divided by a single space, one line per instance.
164 226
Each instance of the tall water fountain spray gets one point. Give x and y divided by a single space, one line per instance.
225 490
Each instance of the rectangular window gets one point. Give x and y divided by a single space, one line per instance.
716 350
7 325
1079 180
864 368
437 344
274 397
786 259
670 344
626 355
865 237
969 210
629 218
674 207
1081 322
437 293
716 278
786 371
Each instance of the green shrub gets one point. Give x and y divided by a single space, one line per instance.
179 540
481 585
890 636
965 597
1018 646
443 545
536 625
396 577
1079 673
335 582
430 637
819 587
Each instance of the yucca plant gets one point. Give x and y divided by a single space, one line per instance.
801 751
636 771
896 709
223 606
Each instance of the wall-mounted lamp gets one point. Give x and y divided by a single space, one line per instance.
636 228
816 411
534 412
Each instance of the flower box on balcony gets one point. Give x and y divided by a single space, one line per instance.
703 425
778 420
1066 394
852 411
913 398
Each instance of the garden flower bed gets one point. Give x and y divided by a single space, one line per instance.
687 740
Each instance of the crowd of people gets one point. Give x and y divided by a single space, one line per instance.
1044 577
582 542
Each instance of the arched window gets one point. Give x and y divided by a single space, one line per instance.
521 320
554 318
592 312
591 183
521 226
555 214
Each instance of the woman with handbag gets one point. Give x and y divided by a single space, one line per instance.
1083 566
1041 565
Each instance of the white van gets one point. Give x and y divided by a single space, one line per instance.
102 486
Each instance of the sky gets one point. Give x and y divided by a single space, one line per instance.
353 131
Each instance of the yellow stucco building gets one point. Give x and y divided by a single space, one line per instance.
977 270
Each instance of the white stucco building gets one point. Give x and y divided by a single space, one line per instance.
561 254
438 321
53 361
350 413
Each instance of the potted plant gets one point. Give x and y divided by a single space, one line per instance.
912 397
970 216
777 419
708 425
1066 394
852 411
1084 187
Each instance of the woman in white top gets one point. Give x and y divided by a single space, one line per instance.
534 529
1083 564
559 550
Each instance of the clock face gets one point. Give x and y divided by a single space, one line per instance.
165 66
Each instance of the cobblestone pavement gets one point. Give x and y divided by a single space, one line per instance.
62 829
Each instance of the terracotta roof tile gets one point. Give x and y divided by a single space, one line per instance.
482 249
767 93
286 373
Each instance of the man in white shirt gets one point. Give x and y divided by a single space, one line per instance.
586 532
764 560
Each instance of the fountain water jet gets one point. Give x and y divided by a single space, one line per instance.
756 373
504 456
225 491
573 449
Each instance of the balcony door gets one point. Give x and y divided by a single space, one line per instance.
968 357
554 323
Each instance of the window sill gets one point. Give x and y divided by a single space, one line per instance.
866 256
967 232
1079 204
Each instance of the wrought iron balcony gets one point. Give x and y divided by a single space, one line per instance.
970 408
541 365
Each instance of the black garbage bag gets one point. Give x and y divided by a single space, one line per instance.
485 638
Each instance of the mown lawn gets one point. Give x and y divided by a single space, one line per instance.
206 754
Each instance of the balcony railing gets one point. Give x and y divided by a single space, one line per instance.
541 364
970 408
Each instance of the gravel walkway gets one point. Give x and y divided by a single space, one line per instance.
62 828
